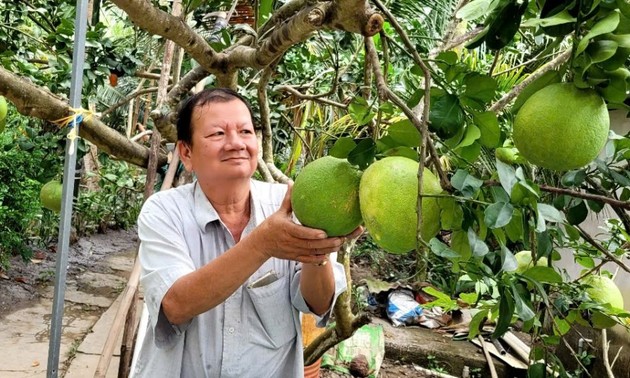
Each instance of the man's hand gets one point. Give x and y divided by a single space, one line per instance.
279 236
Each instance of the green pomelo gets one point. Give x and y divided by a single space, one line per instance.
3 108
50 195
388 194
326 196
524 260
603 291
561 127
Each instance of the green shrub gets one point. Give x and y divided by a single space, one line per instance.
116 204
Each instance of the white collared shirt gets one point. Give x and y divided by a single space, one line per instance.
256 332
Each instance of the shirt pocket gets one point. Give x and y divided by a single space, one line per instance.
271 320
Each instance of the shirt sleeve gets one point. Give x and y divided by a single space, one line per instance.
164 258
340 286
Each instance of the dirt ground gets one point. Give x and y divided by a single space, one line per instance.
23 282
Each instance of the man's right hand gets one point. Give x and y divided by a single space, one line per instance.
279 236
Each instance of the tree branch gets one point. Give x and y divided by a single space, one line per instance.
265 119
498 106
34 101
127 99
317 98
423 125
588 196
603 250
346 323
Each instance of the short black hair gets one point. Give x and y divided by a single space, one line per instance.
207 96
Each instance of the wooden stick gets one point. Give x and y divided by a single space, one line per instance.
112 337
486 353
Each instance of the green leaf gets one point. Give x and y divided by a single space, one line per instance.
407 152
451 214
469 298
514 229
550 213
342 147
363 154
478 247
459 243
509 263
475 9
606 25
404 133
441 249
543 274
467 184
600 51
616 90
577 214
586 261
489 127
470 153
560 18
572 232
507 175
522 304
506 311
446 116
476 323
360 111
561 326
471 135
498 214
573 178
480 88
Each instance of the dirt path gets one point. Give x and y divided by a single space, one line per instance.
25 282
97 272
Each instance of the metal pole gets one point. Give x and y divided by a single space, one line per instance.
78 57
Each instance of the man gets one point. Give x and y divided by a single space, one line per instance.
224 268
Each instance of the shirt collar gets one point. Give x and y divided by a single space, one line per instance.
205 213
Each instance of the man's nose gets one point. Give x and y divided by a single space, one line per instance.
235 141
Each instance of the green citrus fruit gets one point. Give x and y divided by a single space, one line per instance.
603 291
508 155
326 196
561 127
524 260
50 195
3 108
388 195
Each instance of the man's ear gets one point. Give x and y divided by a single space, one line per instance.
185 155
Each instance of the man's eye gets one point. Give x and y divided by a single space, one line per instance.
217 133
246 131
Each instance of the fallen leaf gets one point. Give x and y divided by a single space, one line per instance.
4 276
39 255
36 261
35 363
20 279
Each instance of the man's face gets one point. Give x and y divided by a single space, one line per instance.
224 144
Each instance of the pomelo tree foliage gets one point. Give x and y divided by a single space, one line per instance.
439 82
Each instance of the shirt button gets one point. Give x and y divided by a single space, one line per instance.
231 330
